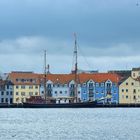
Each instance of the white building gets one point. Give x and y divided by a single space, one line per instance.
6 92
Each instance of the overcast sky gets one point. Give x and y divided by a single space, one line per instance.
108 34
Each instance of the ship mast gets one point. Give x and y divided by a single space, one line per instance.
45 76
75 67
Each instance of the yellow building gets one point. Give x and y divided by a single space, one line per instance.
26 84
129 89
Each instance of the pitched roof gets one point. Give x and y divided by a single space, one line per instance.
83 77
136 69
28 78
22 78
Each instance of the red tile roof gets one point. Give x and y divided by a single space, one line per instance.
14 76
62 78
66 78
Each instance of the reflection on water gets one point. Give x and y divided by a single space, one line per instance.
70 124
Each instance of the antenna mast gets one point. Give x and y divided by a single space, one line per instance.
45 76
76 65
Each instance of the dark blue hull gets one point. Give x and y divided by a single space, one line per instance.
66 105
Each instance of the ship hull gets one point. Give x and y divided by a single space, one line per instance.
66 105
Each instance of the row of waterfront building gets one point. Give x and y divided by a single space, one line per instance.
113 87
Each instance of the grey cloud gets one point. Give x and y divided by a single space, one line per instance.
107 30
95 21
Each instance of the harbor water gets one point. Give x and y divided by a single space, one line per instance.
70 124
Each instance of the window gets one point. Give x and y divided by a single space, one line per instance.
126 83
134 97
30 87
72 93
90 85
16 93
30 93
58 85
133 74
17 87
122 90
63 85
78 92
60 92
108 84
22 93
126 96
6 100
2 100
11 93
11 100
65 92
22 100
7 93
36 93
23 87
114 84
49 85
36 87
132 83
102 84
7 86
72 85
126 90
97 84
134 91
2 93
84 84
55 92
22 80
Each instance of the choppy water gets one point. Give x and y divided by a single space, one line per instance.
70 124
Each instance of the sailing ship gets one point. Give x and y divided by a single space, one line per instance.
49 102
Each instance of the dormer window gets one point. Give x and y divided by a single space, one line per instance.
90 85
49 85
72 85
22 80
108 84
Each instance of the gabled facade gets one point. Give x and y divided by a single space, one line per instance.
101 91
102 87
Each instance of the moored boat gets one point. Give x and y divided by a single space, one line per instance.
64 105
